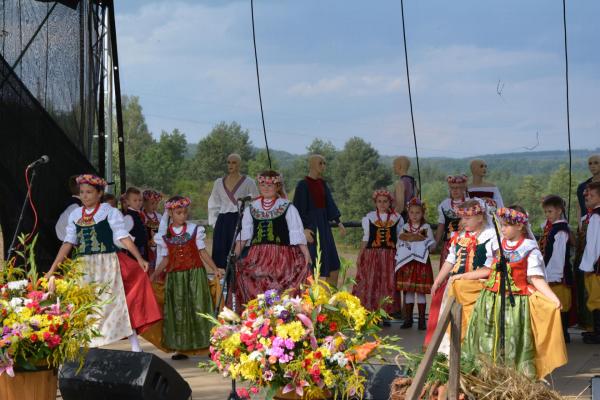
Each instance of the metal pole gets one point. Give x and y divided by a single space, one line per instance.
109 131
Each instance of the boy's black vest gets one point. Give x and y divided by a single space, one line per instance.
548 249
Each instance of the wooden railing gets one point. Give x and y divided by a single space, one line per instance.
452 315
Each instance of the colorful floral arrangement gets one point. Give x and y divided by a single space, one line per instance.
309 342
44 322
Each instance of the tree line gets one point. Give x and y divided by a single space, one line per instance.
174 166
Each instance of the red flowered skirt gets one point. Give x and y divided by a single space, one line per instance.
375 278
415 277
141 303
269 266
434 312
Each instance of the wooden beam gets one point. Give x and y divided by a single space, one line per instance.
455 341
418 382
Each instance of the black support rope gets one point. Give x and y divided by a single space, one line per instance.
412 116
262 113
568 111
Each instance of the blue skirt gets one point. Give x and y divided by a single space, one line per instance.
330 261
222 237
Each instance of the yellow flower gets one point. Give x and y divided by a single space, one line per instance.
231 344
293 330
352 309
328 377
249 369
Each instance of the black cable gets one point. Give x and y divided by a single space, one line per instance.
412 116
262 113
568 112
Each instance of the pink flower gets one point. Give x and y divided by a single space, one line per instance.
6 365
305 320
243 393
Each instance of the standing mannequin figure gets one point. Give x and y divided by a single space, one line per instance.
594 166
481 188
406 187
223 207
317 208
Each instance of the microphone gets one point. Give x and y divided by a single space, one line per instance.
42 160
245 199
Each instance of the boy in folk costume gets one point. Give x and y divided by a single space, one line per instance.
134 211
151 218
554 245
470 249
534 344
590 260
375 276
278 257
415 275
186 288
94 228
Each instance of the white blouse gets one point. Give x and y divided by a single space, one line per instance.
445 209
115 220
491 247
372 217
292 217
223 201
556 264
414 251
496 196
535 260
162 248
591 253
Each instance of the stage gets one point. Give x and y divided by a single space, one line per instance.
570 380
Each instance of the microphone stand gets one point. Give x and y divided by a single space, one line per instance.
229 281
502 268
13 243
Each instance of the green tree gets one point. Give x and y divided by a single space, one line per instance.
212 151
324 148
529 194
260 162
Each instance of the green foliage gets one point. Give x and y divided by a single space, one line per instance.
260 162
212 151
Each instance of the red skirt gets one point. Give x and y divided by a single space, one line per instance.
375 278
434 312
269 266
143 308
444 252
415 277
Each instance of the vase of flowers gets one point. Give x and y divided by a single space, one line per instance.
303 344
43 323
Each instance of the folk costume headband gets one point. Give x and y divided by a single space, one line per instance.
151 194
383 193
457 179
268 180
512 216
416 202
475 209
92 180
183 202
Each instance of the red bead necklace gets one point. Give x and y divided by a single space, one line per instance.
267 204
172 231
387 220
88 219
508 247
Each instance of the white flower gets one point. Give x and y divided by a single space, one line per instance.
16 302
229 315
340 358
255 356
17 285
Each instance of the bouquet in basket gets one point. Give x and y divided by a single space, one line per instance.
44 323
307 343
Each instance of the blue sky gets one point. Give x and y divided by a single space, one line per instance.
334 69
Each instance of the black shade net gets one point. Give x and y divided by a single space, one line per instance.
47 106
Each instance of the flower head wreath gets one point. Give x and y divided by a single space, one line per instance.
512 216
92 180
151 194
183 202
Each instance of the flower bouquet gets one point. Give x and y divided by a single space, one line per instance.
307 344
44 322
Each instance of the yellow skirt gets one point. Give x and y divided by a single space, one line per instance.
154 334
550 349
592 286
563 292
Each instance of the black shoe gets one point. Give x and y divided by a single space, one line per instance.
179 356
407 324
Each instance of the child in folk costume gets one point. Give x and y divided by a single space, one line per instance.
554 245
534 344
151 219
415 275
93 229
186 288
470 249
590 260
278 257
375 276
134 211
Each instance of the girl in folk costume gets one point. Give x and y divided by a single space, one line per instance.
278 257
590 259
554 246
471 248
375 276
186 288
93 229
223 207
151 219
415 275
534 344
448 220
